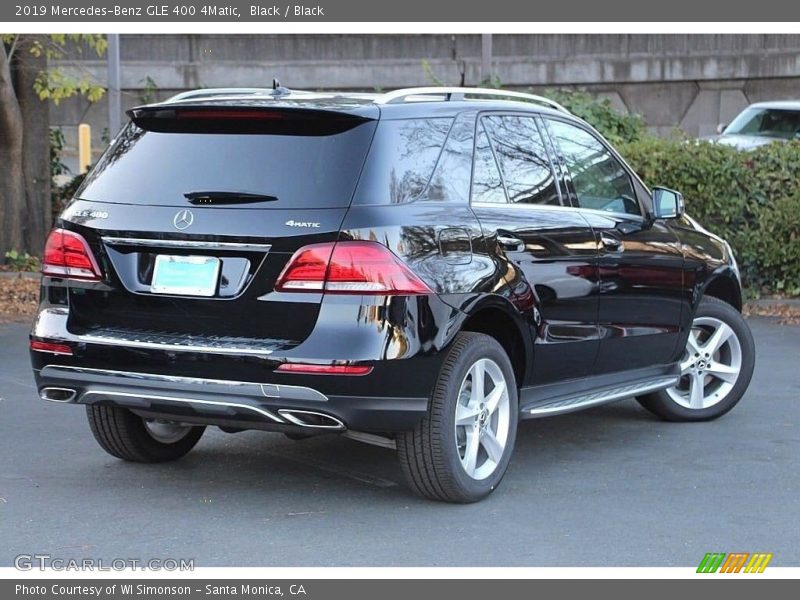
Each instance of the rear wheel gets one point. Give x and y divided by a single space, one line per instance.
461 449
716 367
125 435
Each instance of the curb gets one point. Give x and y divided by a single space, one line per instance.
20 275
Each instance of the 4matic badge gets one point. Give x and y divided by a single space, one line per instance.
310 224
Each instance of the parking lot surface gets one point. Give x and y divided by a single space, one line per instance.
611 486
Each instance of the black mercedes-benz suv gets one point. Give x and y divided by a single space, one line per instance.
418 269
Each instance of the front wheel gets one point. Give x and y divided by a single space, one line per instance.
716 367
461 449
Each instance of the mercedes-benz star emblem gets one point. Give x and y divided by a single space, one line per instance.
183 218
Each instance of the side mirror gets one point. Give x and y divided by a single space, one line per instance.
721 127
667 204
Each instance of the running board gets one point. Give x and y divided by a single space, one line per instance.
562 404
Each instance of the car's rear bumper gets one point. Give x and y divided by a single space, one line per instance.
235 383
228 403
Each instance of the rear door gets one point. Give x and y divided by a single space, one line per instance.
549 248
193 212
640 262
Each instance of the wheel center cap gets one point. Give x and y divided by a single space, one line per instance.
701 364
483 416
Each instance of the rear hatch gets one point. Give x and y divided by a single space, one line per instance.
194 211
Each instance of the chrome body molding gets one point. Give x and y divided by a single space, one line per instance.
100 393
186 244
242 388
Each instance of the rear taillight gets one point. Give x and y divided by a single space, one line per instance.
66 254
50 347
349 268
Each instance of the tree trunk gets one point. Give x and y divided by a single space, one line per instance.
35 151
12 180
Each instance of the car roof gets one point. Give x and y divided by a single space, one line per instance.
778 104
405 103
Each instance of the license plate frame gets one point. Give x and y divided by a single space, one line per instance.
179 275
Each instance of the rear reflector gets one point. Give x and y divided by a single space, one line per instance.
325 369
51 348
349 268
66 254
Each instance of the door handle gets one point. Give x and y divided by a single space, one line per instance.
611 243
509 242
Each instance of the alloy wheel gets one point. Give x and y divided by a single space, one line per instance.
482 419
710 365
166 432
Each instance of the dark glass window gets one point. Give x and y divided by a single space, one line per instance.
402 159
487 185
598 178
158 168
525 166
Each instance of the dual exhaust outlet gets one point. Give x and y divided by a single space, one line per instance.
302 418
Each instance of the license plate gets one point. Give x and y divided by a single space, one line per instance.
185 275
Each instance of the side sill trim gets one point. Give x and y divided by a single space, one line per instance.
569 404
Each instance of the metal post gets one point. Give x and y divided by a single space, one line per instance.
486 58
114 97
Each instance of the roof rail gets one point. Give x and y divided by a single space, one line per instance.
459 93
212 92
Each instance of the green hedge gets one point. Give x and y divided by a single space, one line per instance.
752 199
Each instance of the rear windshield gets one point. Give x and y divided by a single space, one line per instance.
167 169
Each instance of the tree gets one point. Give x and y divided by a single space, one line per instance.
28 83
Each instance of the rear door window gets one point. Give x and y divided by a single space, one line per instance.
487 185
524 163
307 168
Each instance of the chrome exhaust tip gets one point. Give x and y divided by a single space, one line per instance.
57 394
310 418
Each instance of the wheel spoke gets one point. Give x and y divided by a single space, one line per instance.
465 415
493 399
686 365
696 391
692 344
477 393
470 459
717 339
493 447
723 372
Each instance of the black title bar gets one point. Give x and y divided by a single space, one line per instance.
493 11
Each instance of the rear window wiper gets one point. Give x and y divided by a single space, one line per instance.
217 197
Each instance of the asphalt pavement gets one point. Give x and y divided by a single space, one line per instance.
612 486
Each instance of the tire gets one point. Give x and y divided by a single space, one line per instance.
125 435
434 456
724 369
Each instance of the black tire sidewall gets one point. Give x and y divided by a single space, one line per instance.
482 347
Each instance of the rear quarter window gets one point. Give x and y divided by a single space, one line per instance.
402 159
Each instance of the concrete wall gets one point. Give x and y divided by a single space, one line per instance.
690 81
